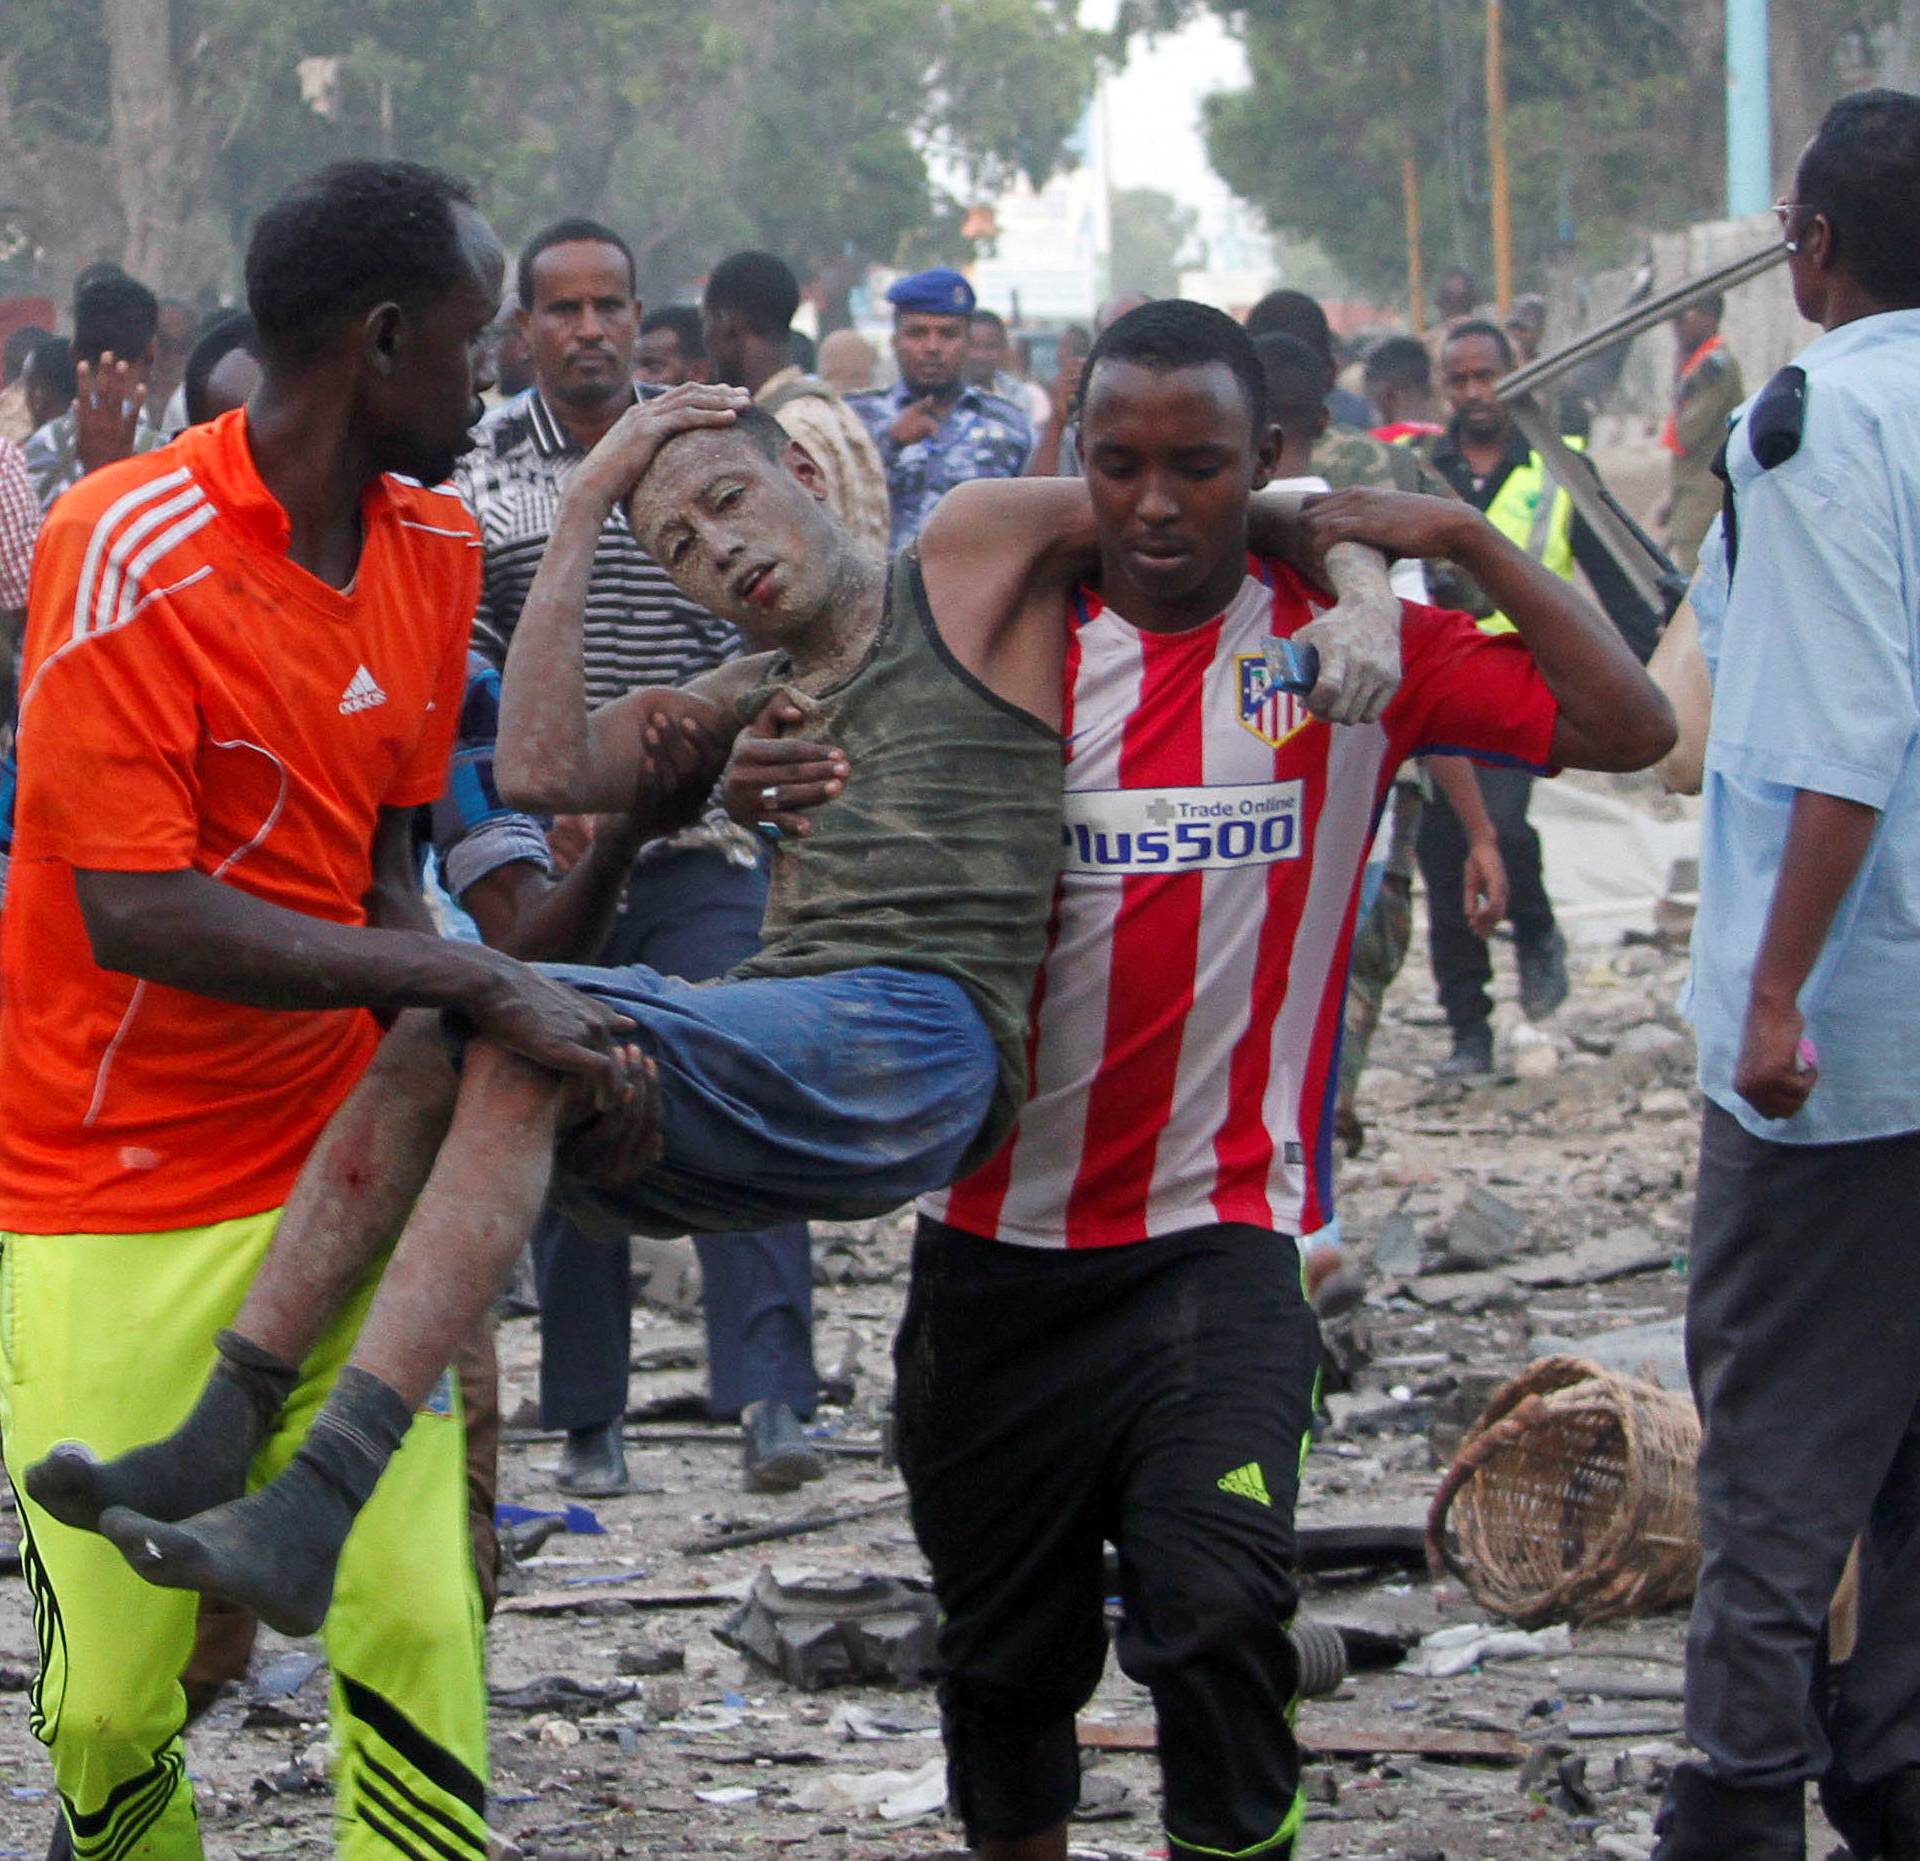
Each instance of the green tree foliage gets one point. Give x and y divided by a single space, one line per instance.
1615 119
1343 91
833 131
1151 235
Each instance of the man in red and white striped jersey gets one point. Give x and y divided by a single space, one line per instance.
1106 1336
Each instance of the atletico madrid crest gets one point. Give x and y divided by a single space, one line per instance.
1271 714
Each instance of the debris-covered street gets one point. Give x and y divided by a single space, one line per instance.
1546 1211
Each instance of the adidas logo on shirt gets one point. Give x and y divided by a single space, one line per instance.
1248 1482
362 693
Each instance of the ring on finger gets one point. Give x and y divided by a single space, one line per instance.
770 794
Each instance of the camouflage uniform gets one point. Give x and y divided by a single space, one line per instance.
1344 459
1704 399
982 436
53 455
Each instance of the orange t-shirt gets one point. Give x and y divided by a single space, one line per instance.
192 698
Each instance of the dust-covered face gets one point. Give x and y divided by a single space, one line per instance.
746 536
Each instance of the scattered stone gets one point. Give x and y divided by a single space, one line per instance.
1104 1798
1396 1249
1650 1037
1657 1351
1617 1255
1538 1059
1465 1292
1668 1102
647 1659
562 1693
1487 1230
825 1634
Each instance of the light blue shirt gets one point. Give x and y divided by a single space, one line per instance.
1814 653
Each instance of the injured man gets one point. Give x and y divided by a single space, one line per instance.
872 1050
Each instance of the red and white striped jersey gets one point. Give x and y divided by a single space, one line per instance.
1184 1035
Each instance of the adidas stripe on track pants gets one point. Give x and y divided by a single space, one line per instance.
107 1339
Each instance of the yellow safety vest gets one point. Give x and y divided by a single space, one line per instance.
1533 511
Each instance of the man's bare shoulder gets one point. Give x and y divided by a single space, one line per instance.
1004 517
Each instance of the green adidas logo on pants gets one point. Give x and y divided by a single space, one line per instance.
1248 1482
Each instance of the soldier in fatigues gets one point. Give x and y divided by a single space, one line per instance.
1706 391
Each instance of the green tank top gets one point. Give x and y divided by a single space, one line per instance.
942 852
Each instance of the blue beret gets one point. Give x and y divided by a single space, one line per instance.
939 292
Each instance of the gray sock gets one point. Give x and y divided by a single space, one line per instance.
202 1464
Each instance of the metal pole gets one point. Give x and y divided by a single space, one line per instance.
1497 162
1416 276
1749 110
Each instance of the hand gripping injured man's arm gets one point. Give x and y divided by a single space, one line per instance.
879 1078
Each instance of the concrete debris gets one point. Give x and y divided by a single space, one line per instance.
1532 1053
1465 1293
1620 1254
1104 1798
1402 1764
864 1724
1650 1037
1657 1351
825 1634
562 1693
1396 1248
1594 1683
1456 1650
1623 1724
894 1796
1487 1230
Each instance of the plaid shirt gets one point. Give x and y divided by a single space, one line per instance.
19 525
982 436
640 629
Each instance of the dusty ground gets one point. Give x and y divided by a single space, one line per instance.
709 1760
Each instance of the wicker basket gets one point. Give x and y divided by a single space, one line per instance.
1572 1498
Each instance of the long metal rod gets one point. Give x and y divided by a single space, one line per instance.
1502 192
1642 561
1416 281
1638 319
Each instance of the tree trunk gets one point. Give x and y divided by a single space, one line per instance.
159 160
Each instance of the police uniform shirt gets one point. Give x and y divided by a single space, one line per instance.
1813 645
981 436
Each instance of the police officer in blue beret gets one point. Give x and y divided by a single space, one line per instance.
933 430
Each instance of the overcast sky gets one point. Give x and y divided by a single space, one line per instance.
1156 106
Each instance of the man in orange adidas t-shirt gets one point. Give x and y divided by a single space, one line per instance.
244 665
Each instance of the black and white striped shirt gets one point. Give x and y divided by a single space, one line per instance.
640 630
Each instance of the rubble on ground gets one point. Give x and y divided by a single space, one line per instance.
1544 1211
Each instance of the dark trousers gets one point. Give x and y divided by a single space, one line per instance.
1462 963
1153 1396
1803 1347
691 914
